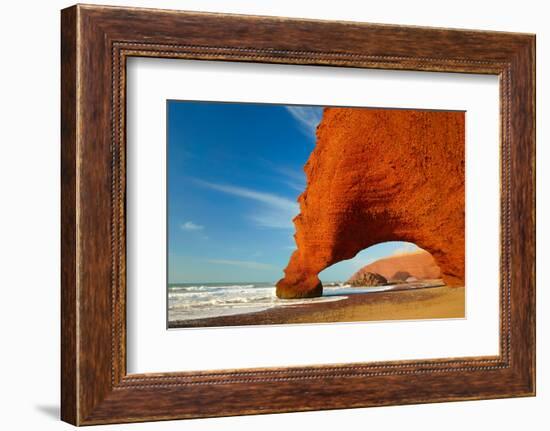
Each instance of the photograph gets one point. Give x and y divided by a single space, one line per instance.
290 214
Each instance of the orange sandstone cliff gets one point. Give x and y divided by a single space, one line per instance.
379 175
418 264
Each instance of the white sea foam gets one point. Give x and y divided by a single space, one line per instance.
198 301
187 302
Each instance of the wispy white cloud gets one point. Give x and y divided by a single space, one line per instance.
274 211
272 219
296 180
249 264
308 118
295 186
189 225
244 192
290 176
296 175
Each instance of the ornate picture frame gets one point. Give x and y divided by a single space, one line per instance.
96 41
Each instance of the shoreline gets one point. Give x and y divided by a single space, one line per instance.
399 304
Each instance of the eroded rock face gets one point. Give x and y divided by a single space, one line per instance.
367 279
380 175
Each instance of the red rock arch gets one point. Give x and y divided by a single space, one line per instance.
380 175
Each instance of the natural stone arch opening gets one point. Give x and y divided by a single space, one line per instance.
380 175
384 263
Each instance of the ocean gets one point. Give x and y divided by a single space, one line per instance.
188 301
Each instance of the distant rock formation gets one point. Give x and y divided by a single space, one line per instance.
405 267
380 175
401 276
367 279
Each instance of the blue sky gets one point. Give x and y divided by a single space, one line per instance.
234 173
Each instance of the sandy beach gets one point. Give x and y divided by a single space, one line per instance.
427 303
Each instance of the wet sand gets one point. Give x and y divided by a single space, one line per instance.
441 302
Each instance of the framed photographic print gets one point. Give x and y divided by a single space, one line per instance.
264 215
